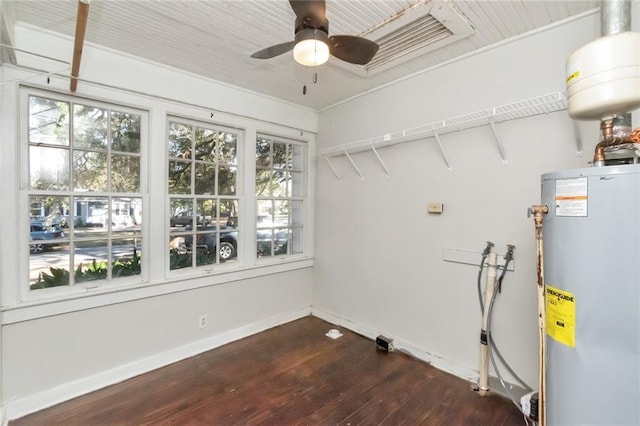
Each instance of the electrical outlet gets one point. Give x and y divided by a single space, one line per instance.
202 321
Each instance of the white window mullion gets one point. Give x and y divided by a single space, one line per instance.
248 197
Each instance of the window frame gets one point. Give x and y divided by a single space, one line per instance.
25 192
291 198
216 267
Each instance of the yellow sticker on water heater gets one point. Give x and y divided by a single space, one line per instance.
561 315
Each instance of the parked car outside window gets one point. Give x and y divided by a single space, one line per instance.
186 219
206 241
40 232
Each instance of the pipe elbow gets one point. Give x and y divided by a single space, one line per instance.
598 155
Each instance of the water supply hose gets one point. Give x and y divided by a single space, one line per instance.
483 383
493 345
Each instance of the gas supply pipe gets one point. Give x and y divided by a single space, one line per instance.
538 212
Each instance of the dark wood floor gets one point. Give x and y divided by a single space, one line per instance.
291 374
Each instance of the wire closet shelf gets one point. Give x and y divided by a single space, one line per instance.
539 105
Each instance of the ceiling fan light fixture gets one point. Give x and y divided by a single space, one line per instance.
311 47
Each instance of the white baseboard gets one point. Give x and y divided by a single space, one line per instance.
20 407
460 370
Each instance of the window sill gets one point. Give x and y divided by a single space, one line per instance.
104 296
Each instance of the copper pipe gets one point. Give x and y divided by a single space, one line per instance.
538 212
609 139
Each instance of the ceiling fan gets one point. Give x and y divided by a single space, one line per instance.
312 44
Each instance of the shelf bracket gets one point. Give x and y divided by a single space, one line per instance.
444 153
576 131
492 123
333 169
375 151
353 163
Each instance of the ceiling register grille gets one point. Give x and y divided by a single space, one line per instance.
422 28
416 35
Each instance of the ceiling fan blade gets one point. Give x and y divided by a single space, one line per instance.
304 8
311 13
353 49
273 51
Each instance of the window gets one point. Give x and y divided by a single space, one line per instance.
203 194
281 182
84 192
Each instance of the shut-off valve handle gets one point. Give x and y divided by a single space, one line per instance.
487 249
507 259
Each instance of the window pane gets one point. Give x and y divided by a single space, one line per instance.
264 240
44 237
125 173
179 256
264 180
206 211
263 153
281 213
91 261
89 171
205 178
296 185
228 245
206 243
125 255
89 127
206 144
228 223
265 214
281 184
297 160
126 216
227 180
181 212
180 140
49 210
229 213
49 168
179 177
91 217
296 211
280 155
125 132
48 121
48 265
228 148
296 241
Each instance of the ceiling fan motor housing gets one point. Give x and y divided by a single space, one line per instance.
312 22
312 34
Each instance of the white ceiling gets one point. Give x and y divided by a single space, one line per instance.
215 38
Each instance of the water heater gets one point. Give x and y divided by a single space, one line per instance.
592 278
603 77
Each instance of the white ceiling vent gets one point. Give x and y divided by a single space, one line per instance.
422 28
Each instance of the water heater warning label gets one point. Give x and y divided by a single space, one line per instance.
561 315
571 197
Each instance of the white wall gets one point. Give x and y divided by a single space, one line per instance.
50 359
379 263
57 350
